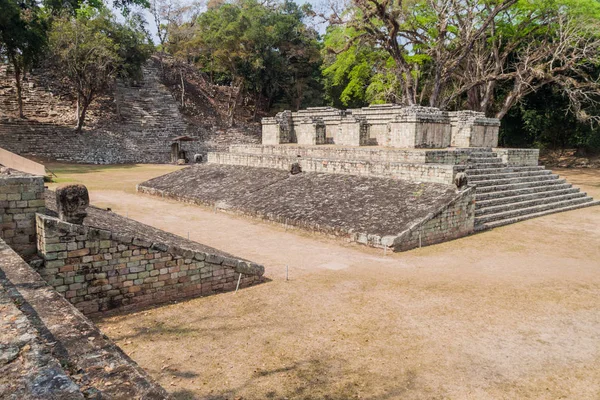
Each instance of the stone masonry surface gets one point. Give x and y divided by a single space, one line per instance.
363 209
148 118
415 172
49 350
451 221
21 196
113 263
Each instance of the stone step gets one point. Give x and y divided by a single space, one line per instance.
482 154
484 160
486 166
517 205
511 220
511 196
472 173
530 210
494 189
509 181
508 175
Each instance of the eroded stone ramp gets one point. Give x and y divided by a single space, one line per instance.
363 209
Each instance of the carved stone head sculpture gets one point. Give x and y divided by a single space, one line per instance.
461 180
71 202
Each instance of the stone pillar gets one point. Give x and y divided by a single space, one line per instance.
473 129
353 132
310 131
420 127
279 129
21 197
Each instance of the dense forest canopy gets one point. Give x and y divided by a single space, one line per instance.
533 63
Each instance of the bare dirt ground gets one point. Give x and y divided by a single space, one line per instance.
510 313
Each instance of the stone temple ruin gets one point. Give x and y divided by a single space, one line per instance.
384 175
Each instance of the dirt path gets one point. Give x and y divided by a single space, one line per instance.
510 313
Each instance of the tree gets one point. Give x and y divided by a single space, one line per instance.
485 55
263 51
22 39
91 51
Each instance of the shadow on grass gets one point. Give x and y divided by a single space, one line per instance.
316 382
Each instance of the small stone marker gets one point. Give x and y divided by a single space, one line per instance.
295 169
71 203
461 180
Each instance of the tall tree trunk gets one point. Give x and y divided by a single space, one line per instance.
83 103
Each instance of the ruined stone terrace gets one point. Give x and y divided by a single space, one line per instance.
374 211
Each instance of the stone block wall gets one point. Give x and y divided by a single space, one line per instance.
388 125
420 127
61 354
352 132
454 220
21 197
99 270
414 172
519 157
473 129
310 131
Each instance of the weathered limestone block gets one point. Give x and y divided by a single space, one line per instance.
378 116
328 115
310 131
353 131
473 129
71 203
420 127
279 129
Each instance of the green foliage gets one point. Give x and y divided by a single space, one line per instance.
91 50
266 51
71 7
22 38
543 120
360 75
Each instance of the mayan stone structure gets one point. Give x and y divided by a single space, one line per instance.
421 145
382 125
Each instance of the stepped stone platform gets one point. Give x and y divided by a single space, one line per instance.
374 211
510 186
508 193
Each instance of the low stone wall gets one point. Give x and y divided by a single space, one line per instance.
21 197
434 173
51 351
98 270
454 157
519 157
454 220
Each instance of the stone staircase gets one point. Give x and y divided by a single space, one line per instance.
508 194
